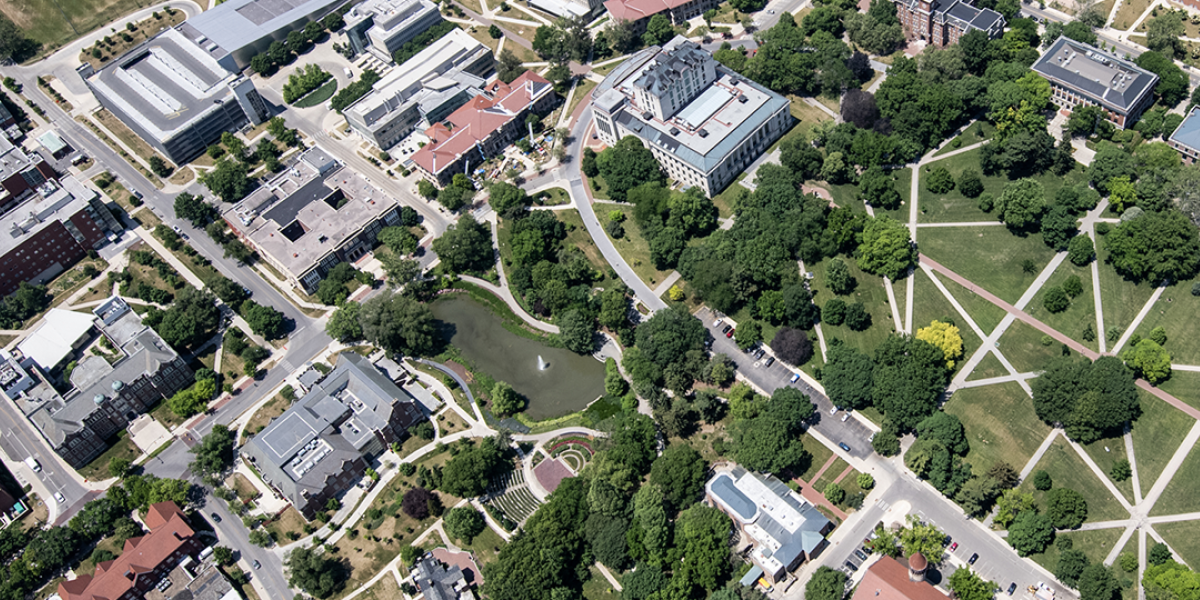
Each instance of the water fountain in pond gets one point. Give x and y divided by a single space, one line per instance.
542 363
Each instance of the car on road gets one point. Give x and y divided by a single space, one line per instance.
860 555
729 334
843 446
1012 587
215 517
851 566
974 557
32 463
795 377
257 565
58 497
954 546
136 193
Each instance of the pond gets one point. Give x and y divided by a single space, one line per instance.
567 384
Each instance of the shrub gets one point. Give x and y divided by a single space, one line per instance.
1042 481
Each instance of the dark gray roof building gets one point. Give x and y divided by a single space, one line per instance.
438 581
319 446
1186 138
1083 74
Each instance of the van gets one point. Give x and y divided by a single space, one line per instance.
32 463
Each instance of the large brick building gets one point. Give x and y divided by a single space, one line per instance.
50 222
143 561
1083 74
943 22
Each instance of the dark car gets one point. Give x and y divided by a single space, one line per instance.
216 517
843 446
770 361
851 566
726 328
257 565
974 557
860 555
759 354
867 550
1012 587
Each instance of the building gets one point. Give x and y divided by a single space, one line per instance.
21 173
640 11
943 22
568 9
704 123
889 579
382 26
1186 137
422 91
322 444
439 581
483 127
143 562
193 580
59 335
234 31
312 216
174 92
104 398
50 226
784 529
1083 74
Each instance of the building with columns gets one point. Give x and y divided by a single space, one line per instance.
1083 74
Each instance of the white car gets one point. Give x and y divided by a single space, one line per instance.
845 416
58 497
718 322
795 378
833 411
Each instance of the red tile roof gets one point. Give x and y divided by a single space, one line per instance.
887 579
141 556
633 10
477 120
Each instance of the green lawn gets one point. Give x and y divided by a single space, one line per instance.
990 257
1122 299
1068 470
1184 538
819 452
1022 346
1106 452
1175 311
930 304
1184 385
46 21
1079 315
122 447
847 195
1000 423
1129 585
954 207
1157 434
598 587
1095 544
985 314
871 292
830 474
577 235
317 96
632 246
989 367
486 546
977 132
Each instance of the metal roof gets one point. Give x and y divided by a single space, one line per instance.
1113 82
1188 132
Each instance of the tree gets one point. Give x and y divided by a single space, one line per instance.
627 165
467 474
1066 508
800 156
1149 360
1154 247
748 334
344 325
398 239
214 453
1158 554
886 248
1084 120
505 197
667 336
607 537
827 584
464 523
506 400
680 473
1172 87
909 377
945 428
945 337
1096 582
1071 564
263 320
939 181
878 189
1042 481
318 574
576 331
398 324
194 209
1021 203
792 346
770 441
847 377
658 31
838 276
415 503
969 183
857 317
223 555
1058 227
1121 470
1055 299
228 180
119 467
1080 250
1088 398
1030 533
466 246
967 585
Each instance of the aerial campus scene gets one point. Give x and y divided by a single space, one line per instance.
603 300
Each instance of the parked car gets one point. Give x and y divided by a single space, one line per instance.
759 354
851 566
867 550
860 555
834 410
1012 587
974 557
58 497
770 361
215 517
843 446
845 416
257 565
954 546
795 377
726 328
729 334
718 322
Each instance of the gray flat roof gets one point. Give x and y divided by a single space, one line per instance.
724 488
51 203
1188 132
237 23
1111 81
165 83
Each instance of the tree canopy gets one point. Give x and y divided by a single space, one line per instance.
1089 399
466 246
